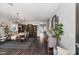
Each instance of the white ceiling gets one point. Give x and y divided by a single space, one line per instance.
31 11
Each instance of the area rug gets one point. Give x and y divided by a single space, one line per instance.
17 45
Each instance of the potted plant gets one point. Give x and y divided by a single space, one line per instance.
4 32
57 32
6 29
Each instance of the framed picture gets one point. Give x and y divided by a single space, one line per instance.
54 20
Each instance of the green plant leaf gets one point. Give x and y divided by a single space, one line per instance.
58 31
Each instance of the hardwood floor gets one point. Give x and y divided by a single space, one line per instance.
37 48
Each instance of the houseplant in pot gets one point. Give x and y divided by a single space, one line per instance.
57 32
6 30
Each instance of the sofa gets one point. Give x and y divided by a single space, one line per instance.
3 39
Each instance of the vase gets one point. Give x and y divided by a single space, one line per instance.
56 49
52 42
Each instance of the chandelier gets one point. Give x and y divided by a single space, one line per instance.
17 20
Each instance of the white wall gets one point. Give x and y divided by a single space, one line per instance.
66 13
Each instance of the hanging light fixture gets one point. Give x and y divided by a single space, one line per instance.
17 20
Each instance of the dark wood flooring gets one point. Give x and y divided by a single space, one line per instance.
37 48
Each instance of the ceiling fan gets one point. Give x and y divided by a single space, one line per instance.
11 4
